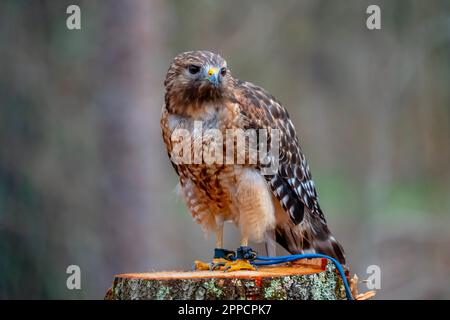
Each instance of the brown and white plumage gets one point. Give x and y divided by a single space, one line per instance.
282 206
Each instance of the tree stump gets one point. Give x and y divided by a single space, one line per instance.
314 279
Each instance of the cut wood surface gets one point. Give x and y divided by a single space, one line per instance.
312 279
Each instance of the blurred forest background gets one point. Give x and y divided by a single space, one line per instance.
85 178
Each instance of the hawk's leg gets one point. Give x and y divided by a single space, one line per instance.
244 255
221 256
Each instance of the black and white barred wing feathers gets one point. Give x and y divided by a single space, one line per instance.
292 186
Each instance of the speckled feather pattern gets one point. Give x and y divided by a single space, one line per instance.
288 202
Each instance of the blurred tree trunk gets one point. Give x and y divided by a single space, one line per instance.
131 64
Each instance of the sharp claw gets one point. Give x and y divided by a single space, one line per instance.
215 266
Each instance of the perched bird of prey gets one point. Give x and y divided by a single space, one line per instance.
281 207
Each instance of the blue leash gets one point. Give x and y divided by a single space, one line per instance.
264 261
247 253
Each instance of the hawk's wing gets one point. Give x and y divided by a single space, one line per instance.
292 184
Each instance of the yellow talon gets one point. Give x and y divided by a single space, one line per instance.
200 265
216 264
239 264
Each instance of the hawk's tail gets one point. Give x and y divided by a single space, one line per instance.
309 237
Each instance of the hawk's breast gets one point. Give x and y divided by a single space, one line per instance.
217 180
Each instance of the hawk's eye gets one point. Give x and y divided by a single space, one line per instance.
223 71
193 69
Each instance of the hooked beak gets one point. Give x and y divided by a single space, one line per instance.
213 76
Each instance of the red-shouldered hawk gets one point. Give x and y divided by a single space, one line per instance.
281 206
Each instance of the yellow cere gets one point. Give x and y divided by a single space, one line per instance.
212 71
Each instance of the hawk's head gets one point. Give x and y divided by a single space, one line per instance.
195 77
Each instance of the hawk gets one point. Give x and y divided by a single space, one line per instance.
281 207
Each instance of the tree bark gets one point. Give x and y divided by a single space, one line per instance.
317 281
